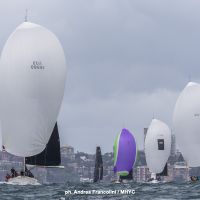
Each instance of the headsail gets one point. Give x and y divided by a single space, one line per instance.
50 156
124 153
32 81
98 170
164 172
157 145
186 121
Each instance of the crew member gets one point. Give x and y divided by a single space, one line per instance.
7 177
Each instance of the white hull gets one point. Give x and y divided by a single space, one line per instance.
154 181
117 182
122 181
125 181
85 180
23 180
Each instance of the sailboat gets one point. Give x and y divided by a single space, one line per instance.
186 122
124 155
32 80
98 170
157 148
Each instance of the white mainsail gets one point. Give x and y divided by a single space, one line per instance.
186 120
157 145
32 80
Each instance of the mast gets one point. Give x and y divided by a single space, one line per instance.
26 15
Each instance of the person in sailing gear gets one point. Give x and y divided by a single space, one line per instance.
13 173
28 173
7 177
194 178
22 173
158 178
3 148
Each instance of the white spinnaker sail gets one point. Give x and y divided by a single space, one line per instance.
32 80
1 147
157 145
186 121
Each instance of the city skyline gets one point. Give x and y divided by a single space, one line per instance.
79 166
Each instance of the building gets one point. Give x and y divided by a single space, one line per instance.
174 155
181 172
145 133
142 174
67 152
6 165
173 145
84 172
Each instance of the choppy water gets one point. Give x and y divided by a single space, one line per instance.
142 191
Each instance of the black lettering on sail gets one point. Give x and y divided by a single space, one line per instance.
161 144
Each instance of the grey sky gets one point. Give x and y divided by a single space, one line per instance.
127 61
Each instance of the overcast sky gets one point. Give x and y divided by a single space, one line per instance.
127 61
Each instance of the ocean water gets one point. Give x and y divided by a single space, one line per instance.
166 191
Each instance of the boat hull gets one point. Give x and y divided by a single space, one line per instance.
154 181
23 180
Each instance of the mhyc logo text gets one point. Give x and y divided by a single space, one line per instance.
100 192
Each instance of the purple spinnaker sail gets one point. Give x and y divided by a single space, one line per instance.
124 153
